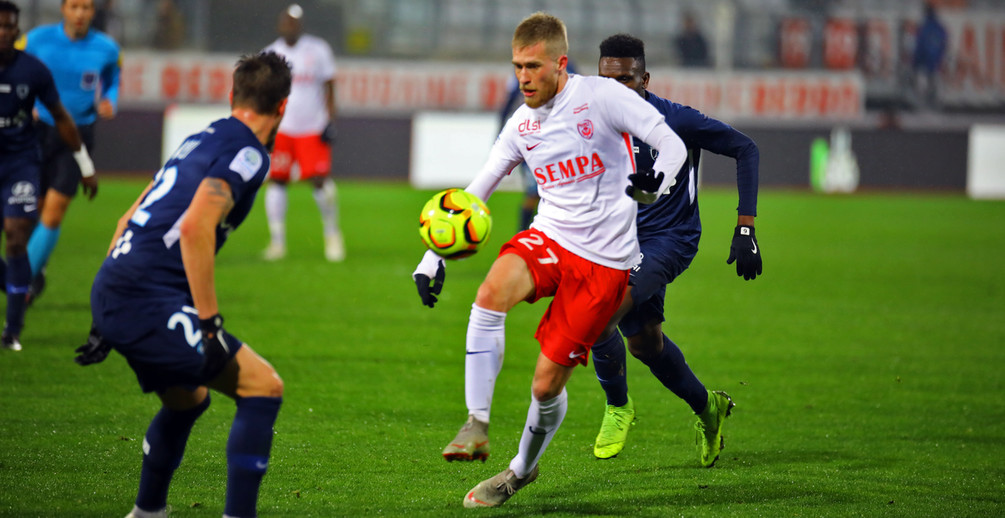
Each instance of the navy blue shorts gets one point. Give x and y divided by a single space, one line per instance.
59 169
159 337
19 190
663 259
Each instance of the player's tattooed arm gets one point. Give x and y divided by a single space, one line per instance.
219 195
209 206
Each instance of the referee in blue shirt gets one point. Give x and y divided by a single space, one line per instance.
85 65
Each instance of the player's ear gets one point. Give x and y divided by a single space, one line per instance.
563 62
645 81
282 107
231 96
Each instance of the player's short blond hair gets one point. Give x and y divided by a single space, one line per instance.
539 27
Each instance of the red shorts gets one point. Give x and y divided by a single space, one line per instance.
312 154
585 293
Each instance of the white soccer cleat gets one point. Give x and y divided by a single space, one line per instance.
498 489
334 248
274 252
140 513
9 342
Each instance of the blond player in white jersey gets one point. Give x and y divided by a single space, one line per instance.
574 132
305 135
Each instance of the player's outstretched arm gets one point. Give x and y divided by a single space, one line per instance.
429 276
744 249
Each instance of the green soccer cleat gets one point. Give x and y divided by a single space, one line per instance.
614 430
497 490
471 443
708 428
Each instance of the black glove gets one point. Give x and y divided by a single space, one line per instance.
329 134
645 186
426 292
745 252
94 351
215 352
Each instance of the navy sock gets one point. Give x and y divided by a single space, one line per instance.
248 452
675 374
163 447
609 362
17 278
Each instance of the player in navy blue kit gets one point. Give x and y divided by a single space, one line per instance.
23 79
154 299
668 233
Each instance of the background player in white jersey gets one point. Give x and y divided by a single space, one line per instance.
573 133
305 135
668 232
154 297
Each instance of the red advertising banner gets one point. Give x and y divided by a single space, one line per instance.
366 86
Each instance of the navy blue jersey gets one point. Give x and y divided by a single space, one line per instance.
677 212
22 81
146 260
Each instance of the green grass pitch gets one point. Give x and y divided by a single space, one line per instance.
867 364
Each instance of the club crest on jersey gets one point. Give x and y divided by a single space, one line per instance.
89 81
528 126
585 129
22 91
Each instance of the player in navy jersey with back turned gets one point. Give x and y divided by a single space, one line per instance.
668 232
154 298
23 79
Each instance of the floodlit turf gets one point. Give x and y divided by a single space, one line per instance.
867 367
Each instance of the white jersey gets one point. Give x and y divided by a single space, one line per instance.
313 64
579 148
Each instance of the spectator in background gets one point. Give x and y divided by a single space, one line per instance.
692 48
929 50
169 30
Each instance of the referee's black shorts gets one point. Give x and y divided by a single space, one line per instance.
59 170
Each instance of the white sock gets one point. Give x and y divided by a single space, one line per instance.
275 212
543 418
325 199
486 343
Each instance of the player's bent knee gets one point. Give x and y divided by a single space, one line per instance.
263 384
645 348
255 376
545 390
